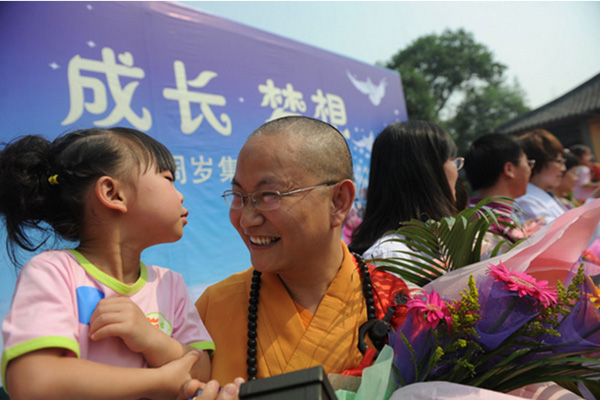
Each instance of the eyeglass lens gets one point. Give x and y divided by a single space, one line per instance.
459 162
264 200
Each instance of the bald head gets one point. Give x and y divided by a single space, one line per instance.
322 151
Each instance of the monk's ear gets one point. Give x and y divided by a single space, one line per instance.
343 198
110 192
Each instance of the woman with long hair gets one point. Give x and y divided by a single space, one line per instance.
413 174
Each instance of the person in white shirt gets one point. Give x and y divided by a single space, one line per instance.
547 151
413 174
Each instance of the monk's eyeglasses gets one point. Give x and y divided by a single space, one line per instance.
264 200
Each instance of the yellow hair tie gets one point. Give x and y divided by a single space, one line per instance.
53 180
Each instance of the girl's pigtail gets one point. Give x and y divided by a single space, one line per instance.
25 190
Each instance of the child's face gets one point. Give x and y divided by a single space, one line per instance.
586 158
156 209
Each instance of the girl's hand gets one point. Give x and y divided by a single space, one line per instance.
119 316
176 381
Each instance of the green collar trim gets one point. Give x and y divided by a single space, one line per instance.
108 280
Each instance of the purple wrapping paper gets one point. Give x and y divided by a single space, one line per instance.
503 312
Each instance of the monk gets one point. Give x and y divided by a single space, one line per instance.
306 300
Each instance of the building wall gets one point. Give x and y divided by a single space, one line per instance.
594 135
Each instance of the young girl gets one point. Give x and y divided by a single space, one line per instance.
94 322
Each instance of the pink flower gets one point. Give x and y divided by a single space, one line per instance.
523 284
430 310
528 229
588 255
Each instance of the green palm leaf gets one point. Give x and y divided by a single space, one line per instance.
445 245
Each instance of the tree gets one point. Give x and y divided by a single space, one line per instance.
441 72
420 104
484 109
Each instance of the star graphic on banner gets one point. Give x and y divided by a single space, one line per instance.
89 7
54 65
365 143
241 99
91 44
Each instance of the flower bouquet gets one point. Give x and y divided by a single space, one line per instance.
481 328
505 332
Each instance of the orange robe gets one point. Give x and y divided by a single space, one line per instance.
284 344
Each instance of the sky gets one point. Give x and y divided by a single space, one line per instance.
549 47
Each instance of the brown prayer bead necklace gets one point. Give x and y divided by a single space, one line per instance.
376 328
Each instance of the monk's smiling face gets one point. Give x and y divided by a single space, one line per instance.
286 238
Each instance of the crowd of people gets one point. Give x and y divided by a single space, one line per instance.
536 178
78 326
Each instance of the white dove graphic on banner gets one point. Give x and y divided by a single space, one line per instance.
375 92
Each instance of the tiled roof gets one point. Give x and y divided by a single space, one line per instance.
583 101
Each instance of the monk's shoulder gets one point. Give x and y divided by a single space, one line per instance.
228 290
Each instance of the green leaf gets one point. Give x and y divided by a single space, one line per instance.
448 244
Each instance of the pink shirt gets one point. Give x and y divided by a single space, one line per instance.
57 292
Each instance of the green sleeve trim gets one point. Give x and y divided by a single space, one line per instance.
206 346
45 342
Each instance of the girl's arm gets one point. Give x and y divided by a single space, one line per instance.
119 316
48 374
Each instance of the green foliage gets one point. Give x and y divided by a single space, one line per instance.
419 102
450 61
445 245
465 317
482 110
445 76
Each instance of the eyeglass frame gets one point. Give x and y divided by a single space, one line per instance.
459 162
253 201
559 160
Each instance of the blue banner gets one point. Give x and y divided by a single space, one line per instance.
198 83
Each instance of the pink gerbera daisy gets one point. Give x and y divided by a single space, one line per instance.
430 310
523 284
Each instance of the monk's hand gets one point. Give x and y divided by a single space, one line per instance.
211 390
